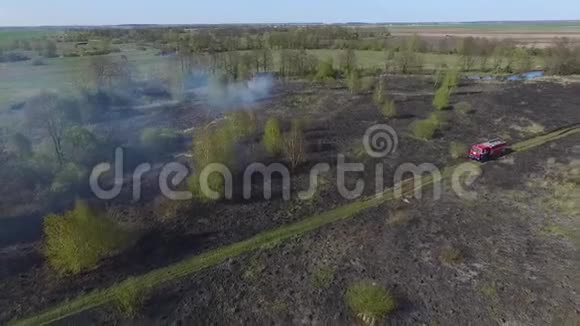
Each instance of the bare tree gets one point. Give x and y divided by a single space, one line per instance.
42 112
348 60
294 144
106 70
467 51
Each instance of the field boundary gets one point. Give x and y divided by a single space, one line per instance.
265 239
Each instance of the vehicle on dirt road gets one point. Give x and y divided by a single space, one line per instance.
489 150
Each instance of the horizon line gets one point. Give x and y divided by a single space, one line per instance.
301 23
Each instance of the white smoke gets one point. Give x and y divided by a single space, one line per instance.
231 95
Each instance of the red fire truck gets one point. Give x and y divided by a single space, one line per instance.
488 151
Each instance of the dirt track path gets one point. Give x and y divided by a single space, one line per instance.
266 239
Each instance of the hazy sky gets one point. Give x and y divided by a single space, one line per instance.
101 12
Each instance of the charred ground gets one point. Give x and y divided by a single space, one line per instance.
446 261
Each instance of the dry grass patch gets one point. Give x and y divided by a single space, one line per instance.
528 127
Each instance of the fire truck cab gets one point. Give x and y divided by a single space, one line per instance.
488 151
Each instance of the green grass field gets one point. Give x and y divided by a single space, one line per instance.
8 35
21 80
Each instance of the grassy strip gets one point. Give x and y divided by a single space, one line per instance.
266 239
547 137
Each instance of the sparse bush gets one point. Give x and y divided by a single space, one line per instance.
294 145
67 178
450 82
166 209
279 307
354 81
523 60
441 100
80 145
212 145
457 149
273 137
464 108
38 62
398 217
160 140
254 270
76 240
322 278
370 302
242 124
451 79
562 59
408 61
425 129
388 109
450 255
379 95
326 71
348 60
129 297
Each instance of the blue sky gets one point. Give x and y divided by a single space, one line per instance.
102 12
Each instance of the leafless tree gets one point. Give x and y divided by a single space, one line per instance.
107 70
42 112
295 145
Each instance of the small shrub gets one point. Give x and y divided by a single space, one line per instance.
273 137
354 82
242 124
488 290
398 217
425 129
388 109
441 99
166 209
450 82
279 307
67 178
464 108
370 302
38 62
326 71
254 270
457 150
294 145
129 297
212 145
322 278
450 255
379 95
76 240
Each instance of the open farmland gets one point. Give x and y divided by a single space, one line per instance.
538 35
